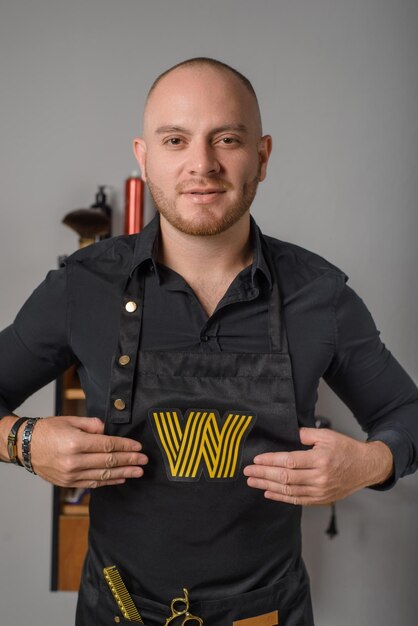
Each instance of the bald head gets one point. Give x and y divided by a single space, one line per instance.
206 62
201 66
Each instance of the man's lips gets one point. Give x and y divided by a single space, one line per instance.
202 186
203 196
200 192
204 191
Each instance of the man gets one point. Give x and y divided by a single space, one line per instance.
200 344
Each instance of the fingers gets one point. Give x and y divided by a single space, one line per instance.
283 484
87 424
311 436
294 477
285 492
93 478
280 475
94 484
298 459
101 442
308 489
332 469
110 460
72 451
103 468
109 444
295 500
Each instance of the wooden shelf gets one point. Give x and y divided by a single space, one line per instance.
75 509
74 394
70 522
72 531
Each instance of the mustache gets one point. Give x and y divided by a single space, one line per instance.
191 183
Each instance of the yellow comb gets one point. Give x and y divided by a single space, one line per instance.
121 594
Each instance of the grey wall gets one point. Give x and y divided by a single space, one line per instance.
338 86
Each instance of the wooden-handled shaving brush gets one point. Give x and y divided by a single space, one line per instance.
90 223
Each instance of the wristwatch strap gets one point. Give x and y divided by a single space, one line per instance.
12 441
26 441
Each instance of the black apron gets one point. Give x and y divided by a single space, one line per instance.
191 520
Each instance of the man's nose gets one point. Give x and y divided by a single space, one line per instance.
202 159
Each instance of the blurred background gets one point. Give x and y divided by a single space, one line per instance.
337 82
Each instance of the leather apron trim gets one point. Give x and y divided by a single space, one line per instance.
268 619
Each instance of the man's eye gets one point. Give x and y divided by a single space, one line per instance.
229 140
173 141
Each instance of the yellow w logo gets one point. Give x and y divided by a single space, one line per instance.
202 444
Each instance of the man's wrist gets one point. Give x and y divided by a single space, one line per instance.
26 443
381 462
6 424
12 440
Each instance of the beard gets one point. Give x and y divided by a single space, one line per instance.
208 222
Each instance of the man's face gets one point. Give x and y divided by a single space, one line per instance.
202 154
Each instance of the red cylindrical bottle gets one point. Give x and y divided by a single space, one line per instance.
134 201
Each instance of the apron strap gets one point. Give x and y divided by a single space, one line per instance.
119 405
277 325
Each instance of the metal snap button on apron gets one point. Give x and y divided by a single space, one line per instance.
124 359
131 306
119 404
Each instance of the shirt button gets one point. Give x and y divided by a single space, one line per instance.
131 306
124 359
119 404
204 338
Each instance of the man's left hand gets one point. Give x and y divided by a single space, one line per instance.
335 467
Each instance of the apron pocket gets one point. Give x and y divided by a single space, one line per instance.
289 596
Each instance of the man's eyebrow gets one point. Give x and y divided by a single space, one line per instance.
171 129
241 128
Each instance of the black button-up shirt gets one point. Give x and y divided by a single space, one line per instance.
74 315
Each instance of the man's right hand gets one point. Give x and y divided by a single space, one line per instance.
71 451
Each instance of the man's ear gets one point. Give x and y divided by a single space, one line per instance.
140 152
265 146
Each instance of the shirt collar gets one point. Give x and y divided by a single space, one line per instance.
259 262
146 245
146 248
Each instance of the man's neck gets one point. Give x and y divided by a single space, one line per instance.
214 256
207 264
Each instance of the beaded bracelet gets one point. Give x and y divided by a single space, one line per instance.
26 441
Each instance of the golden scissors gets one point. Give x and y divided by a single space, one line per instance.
180 607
